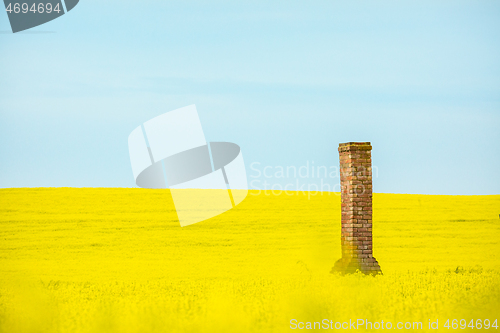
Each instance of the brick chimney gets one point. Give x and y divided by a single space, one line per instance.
356 196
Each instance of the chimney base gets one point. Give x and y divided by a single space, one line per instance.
368 266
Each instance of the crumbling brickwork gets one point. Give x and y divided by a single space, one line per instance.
356 196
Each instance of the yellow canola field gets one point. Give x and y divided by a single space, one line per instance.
116 260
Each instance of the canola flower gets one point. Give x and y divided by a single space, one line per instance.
116 260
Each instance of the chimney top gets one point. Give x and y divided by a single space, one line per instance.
352 146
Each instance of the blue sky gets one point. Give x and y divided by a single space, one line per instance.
287 81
